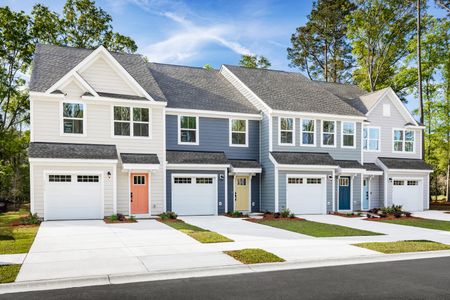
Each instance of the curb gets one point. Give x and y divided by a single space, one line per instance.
39 285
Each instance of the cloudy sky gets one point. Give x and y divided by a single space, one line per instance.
206 31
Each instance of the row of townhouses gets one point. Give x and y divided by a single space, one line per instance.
112 133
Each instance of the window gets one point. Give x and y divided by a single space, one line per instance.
73 118
139 180
328 133
308 130
286 131
242 181
59 178
188 130
399 182
313 180
412 182
295 180
238 129
344 182
87 178
403 140
127 125
348 135
206 180
182 180
371 139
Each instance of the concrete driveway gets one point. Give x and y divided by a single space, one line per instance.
65 249
433 214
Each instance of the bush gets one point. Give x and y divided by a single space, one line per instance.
408 214
31 219
168 215
292 215
235 214
397 214
276 215
121 217
285 213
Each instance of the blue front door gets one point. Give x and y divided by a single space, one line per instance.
365 205
344 193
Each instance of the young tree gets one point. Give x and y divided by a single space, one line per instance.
320 47
254 61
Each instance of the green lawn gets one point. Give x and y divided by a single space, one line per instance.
15 239
197 233
316 229
404 246
9 273
254 256
424 223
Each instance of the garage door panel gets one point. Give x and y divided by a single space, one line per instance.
306 195
408 193
194 195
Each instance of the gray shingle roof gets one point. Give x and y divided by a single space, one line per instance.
247 164
72 151
405 163
371 167
51 63
199 88
120 96
291 91
303 158
139 158
196 157
349 164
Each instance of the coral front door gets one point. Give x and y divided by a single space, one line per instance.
139 193
241 195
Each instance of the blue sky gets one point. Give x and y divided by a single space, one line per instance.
203 32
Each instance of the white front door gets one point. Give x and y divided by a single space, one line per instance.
192 195
408 193
73 196
306 195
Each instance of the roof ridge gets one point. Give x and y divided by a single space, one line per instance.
183 66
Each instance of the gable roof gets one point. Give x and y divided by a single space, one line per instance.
289 91
198 88
51 63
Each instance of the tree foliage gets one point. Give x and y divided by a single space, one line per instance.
254 61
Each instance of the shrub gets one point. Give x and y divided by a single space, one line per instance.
121 217
397 214
285 212
235 214
168 215
408 214
276 215
31 219
292 215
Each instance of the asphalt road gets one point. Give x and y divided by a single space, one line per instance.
414 279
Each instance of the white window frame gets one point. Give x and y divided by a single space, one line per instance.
354 135
230 124
61 115
313 132
197 135
293 132
368 138
131 136
322 132
404 141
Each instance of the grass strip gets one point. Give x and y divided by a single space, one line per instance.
419 222
8 273
404 246
197 233
15 239
254 256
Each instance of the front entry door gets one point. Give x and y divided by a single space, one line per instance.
365 204
241 193
139 193
344 193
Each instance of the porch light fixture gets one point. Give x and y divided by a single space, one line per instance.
109 174
390 179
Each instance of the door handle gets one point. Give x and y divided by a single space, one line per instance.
131 197
235 196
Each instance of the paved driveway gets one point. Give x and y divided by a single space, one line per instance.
434 214
85 248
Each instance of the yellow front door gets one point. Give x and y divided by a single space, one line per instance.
241 199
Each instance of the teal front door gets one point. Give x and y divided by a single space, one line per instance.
344 193
365 204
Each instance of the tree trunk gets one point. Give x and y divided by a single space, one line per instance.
447 194
326 62
419 75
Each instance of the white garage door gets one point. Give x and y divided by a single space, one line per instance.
408 193
194 195
73 196
306 195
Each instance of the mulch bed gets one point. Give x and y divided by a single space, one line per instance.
272 218
440 206
119 222
346 215
168 220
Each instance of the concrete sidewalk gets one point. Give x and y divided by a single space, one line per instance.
433 214
11 259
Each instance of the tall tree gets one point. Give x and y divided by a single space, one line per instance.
379 32
320 47
254 61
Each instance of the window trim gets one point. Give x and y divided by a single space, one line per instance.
354 135
404 141
368 138
322 132
61 117
230 132
293 132
131 136
314 132
197 130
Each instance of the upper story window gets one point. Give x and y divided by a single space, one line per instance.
403 140
130 121
328 133
348 134
308 132
371 136
286 134
238 133
73 118
188 130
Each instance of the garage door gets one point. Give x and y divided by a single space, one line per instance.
306 195
408 194
194 195
73 196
